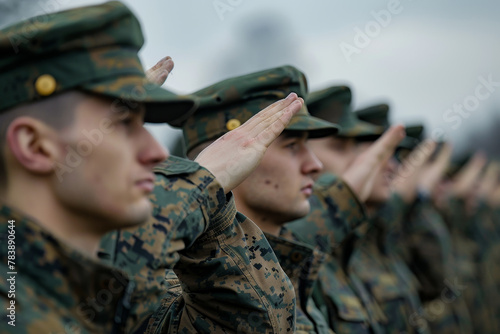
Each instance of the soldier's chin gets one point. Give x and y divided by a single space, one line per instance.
137 214
380 196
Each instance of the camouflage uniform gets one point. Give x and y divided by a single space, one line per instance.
91 49
394 286
57 289
386 276
335 213
229 279
229 103
430 250
302 264
478 294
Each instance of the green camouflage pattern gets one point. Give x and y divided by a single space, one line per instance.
90 48
429 254
229 279
240 98
335 213
333 104
56 289
301 263
481 295
388 279
377 114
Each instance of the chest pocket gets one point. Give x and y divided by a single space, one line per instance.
335 287
380 278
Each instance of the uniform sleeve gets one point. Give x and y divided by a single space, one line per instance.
229 281
335 212
229 276
430 248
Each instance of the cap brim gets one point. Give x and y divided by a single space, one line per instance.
316 127
408 143
162 106
361 129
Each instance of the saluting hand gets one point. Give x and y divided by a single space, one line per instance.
159 73
232 157
361 175
468 176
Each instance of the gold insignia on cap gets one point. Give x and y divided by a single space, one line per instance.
45 84
232 124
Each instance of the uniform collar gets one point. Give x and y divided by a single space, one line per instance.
96 295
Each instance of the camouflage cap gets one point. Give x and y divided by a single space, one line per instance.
377 114
227 104
333 104
93 49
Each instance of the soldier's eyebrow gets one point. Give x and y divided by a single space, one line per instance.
123 109
294 134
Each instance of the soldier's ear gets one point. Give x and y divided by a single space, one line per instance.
33 145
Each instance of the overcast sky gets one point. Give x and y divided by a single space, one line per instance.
425 58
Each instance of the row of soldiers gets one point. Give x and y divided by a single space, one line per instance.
287 217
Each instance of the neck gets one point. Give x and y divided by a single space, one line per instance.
266 223
67 226
371 209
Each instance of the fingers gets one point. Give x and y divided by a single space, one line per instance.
269 115
267 125
421 154
443 159
384 147
279 123
468 175
232 157
159 72
489 180
362 173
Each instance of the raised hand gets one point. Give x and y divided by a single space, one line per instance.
434 171
361 174
408 175
489 180
467 177
232 157
159 73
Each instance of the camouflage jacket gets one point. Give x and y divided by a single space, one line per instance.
388 279
432 261
301 263
335 213
481 292
229 279
54 288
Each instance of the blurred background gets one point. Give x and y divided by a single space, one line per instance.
436 63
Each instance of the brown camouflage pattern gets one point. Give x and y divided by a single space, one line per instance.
301 263
230 280
335 213
57 290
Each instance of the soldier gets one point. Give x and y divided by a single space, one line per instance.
377 264
474 239
426 243
77 162
277 191
351 310
225 105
